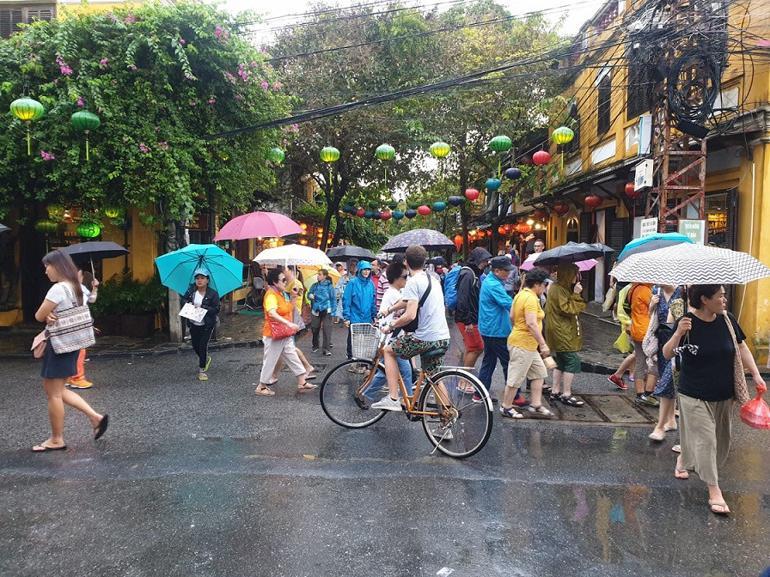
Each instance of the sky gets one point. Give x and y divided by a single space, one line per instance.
282 13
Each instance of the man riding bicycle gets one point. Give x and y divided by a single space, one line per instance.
423 301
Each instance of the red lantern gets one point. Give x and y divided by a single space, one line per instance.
508 228
630 191
471 194
458 240
360 212
592 201
524 228
539 214
501 230
541 157
385 215
561 208
424 210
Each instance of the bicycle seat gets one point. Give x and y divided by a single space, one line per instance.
435 353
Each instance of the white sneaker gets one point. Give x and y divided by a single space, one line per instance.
387 404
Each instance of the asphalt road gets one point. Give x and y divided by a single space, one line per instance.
206 479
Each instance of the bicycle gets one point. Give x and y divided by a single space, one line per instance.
443 402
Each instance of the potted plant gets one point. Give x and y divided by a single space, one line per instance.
128 307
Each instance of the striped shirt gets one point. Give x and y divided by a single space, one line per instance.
382 286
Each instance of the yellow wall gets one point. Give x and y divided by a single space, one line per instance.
63 10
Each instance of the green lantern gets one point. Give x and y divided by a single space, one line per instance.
46 226
329 154
439 206
500 143
112 212
85 121
27 110
392 205
89 229
385 152
562 135
440 150
276 155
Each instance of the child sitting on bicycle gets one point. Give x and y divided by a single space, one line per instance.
425 306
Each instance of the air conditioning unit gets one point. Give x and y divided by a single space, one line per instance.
643 175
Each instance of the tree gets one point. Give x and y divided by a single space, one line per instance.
161 78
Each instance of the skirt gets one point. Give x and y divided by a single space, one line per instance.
58 366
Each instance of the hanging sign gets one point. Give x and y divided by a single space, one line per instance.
695 230
648 226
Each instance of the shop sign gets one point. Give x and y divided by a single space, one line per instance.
648 226
695 230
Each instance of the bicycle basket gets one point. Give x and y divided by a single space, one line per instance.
365 340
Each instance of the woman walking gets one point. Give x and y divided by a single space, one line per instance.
279 310
706 340
64 294
321 295
201 296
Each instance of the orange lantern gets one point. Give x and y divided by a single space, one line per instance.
524 228
458 240
501 230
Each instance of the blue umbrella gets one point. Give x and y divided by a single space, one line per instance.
177 269
653 242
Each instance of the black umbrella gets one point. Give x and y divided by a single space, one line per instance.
349 251
94 250
572 252
3 228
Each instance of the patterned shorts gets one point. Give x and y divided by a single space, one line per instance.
406 346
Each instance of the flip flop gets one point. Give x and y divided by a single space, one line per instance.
101 428
306 387
723 509
264 392
45 448
681 474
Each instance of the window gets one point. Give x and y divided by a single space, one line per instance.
10 18
604 90
639 90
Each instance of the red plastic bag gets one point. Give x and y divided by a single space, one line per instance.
756 413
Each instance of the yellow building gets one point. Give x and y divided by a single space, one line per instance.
609 110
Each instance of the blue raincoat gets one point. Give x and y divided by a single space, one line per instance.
359 303
323 296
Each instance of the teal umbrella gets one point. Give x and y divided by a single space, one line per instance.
653 242
177 269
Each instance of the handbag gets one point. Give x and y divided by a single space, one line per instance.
39 343
412 325
280 330
739 376
623 343
73 329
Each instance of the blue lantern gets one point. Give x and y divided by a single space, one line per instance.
456 200
398 214
410 213
439 206
513 173
493 184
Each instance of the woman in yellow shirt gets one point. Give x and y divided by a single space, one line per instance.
526 361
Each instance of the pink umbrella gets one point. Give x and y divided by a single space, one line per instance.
258 225
583 265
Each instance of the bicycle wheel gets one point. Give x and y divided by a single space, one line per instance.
339 399
461 427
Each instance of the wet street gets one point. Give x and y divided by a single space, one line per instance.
206 479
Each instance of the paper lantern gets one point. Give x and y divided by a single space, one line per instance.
423 210
85 122
373 205
392 205
276 155
592 201
513 173
439 206
368 214
493 184
89 229
46 225
562 135
561 208
329 154
112 212
349 209
631 192
471 194
385 215
27 110
458 241
55 211
375 215
524 228
541 157
385 152
361 212
398 214
439 150
410 213
456 200
501 230
500 143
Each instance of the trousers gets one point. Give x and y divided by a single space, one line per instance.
495 349
321 323
199 338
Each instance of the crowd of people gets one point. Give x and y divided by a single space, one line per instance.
682 353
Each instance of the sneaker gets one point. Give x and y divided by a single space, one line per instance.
520 401
618 382
208 364
510 413
386 404
631 377
647 399
315 349
538 412
327 353
202 376
657 436
80 384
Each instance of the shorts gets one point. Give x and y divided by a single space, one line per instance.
641 367
471 338
567 362
406 346
524 364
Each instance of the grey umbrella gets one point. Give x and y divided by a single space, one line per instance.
572 252
349 251
429 239
3 228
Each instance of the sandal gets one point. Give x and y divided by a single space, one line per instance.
264 391
572 401
306 387
553 397
681 474
719 508
539 412
41 448
101 428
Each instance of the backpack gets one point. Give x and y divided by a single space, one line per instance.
450 287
